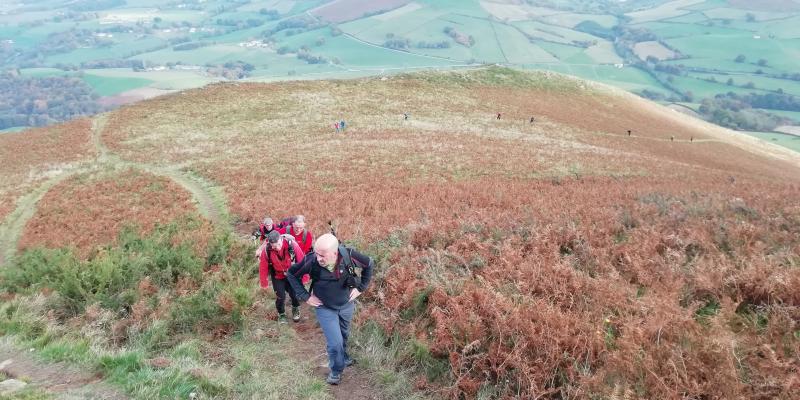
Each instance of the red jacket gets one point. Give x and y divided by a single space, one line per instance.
307 244
281 260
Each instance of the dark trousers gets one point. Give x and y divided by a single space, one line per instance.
281 286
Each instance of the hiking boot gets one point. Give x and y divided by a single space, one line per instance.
296 314
282 318
333 379
349 362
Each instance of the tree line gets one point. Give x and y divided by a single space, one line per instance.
28 101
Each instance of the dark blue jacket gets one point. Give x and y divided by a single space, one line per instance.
329 288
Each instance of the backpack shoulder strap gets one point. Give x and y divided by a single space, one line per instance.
313 271
348 261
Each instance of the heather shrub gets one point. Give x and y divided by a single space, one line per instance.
155 285
699 300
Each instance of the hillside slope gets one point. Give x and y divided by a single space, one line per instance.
562 258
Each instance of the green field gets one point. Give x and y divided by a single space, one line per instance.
561 51
707 35
107 86
517 49
124 47
788 141
570 20
167 80
671 29
760 82
795 115
783 54
669 9
14 129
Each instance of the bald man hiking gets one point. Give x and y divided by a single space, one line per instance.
334 288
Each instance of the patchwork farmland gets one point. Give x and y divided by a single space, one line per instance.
686 51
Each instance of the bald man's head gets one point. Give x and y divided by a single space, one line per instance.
326 242
327 249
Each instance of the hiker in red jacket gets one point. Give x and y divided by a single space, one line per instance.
275 256
265 228
302 235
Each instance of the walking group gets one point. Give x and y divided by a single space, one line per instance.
320 272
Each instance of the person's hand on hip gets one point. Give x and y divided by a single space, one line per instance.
314 301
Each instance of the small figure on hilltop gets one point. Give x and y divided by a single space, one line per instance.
342 125
275 257
629 132
336 126
499 115
672 138
405 116
532 119
335 287
691 139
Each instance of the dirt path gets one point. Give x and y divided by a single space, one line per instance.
98 125
210 204
11 229
61 380
356 382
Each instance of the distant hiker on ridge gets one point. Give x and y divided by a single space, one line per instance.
531 120
334 289
405 116
498 115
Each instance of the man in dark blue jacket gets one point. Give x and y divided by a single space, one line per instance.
334 288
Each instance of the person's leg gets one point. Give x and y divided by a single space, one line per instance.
295 301
345 316
329 322
279 285
292 295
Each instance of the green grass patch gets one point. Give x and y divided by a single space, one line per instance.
386 358
108 86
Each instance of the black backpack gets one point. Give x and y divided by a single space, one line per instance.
348 279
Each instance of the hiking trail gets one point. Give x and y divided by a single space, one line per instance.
356 383
59 379
209 201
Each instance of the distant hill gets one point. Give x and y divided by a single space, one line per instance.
611 247
681 51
